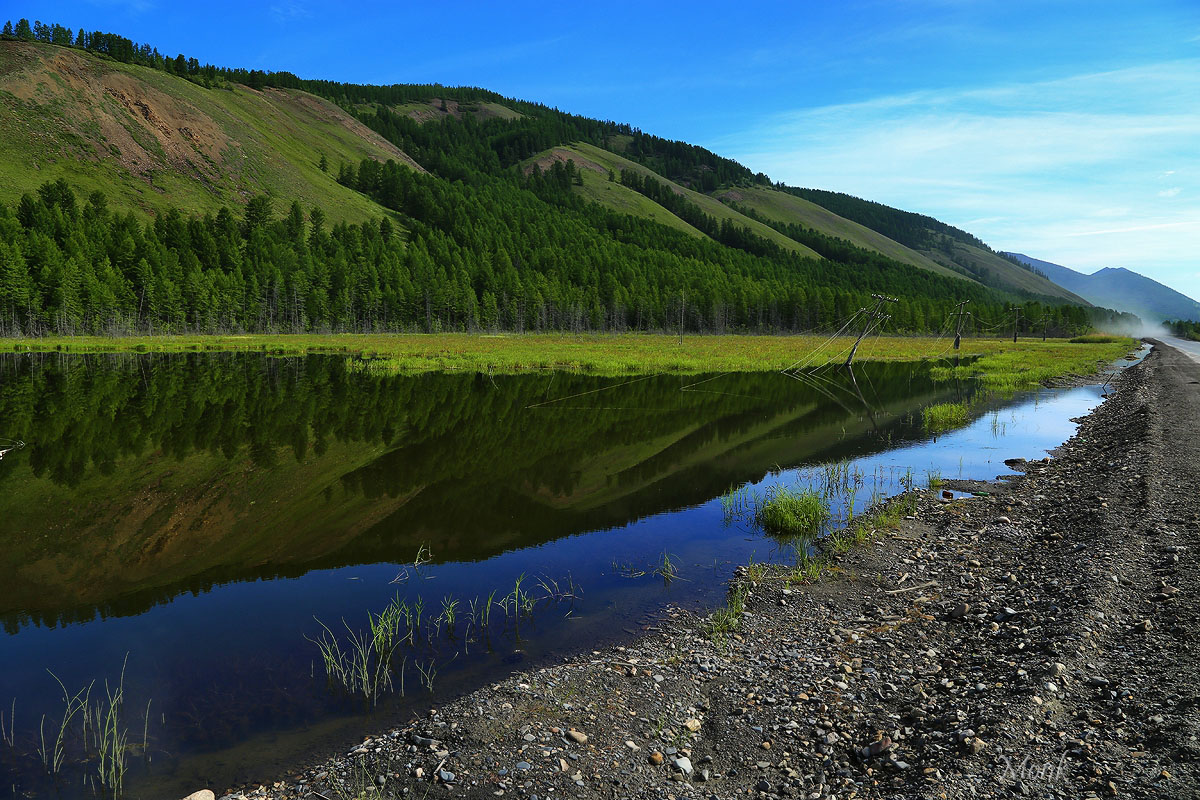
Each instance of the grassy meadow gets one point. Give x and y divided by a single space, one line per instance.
1000 363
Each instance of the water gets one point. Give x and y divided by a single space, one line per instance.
196 518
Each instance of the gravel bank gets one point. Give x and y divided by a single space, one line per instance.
1033 642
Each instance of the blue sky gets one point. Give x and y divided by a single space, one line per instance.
1065 130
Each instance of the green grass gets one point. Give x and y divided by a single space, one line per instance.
941 417
272 140
787 208
1098 338
1002 363
791 513
1031 363
709 205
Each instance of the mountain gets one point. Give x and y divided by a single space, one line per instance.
147 193
1122 289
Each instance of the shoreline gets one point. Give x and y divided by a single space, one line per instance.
988 646
1028 362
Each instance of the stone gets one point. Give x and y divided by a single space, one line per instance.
579 737
524 765
692 725
878 746
203 794
684 765
447 776
656 758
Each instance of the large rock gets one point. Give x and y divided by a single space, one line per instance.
203 794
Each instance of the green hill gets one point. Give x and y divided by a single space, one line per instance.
150 140
467 210
944 244
788 208
595 164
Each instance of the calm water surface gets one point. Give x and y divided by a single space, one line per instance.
196 518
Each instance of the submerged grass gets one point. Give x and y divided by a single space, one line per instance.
601 354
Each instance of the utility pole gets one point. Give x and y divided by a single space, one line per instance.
958 324
872 317
1016 320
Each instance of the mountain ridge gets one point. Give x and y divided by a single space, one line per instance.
1122 289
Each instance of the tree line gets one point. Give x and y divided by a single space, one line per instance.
475 258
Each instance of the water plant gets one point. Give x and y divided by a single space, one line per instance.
736 502
941 417
789 512
102 732
428 673
8 736
933 479
666 569
364 666
728 618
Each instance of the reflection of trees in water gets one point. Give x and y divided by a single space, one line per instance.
478 470
82 413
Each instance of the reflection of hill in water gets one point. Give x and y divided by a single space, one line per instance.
148 476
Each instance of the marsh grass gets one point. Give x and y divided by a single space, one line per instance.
364 666
791 513
92 730
604 354
941 417
1029 364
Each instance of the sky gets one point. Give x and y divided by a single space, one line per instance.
1064 130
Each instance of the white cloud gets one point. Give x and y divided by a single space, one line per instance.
1070 170
290 10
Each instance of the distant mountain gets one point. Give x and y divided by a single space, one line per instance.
1120 288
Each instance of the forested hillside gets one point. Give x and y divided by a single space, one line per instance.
944 244
463 223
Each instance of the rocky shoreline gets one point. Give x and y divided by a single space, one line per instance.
1035 641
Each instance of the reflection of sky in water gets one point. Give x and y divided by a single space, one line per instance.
232 654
